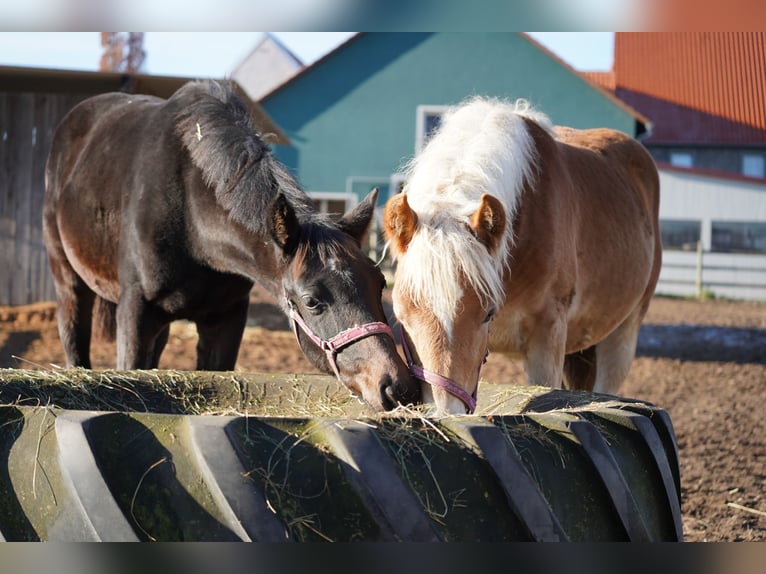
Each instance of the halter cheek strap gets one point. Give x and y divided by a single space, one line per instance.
437 380
332 346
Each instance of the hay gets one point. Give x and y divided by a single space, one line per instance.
254 394
179 392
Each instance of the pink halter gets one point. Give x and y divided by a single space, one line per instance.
437 380
343 339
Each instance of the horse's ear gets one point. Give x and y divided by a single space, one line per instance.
399 222
488 222
357 221
284 226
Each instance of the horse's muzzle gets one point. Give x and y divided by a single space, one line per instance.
392 391
399 392
439 381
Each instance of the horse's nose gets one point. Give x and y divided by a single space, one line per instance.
396 392
386 390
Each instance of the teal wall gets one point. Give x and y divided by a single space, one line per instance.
354 113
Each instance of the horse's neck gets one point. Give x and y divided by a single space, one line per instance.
229 247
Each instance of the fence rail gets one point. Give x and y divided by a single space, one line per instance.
729 275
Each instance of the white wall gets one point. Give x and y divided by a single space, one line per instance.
693 195
728 275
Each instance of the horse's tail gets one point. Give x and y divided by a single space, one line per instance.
105 320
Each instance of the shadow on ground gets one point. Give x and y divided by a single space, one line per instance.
703 343
16 345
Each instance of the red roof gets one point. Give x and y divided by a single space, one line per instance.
695 87
604 79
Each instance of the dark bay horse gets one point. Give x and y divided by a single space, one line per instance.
157 210
549 235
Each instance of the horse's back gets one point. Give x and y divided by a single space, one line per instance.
613 157
618 241
598 194
90 130
615 176
89 167
102 109
598 189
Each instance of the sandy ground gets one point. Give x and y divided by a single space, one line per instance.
702 361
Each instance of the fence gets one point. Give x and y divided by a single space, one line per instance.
728 275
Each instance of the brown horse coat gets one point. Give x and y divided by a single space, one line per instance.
576 246
158 210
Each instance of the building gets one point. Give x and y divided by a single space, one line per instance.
267 66
704 93
356 115
705 96
713 227
695 100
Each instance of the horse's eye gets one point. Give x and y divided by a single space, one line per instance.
310 303
490 315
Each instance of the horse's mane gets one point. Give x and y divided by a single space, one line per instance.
218 130
482 146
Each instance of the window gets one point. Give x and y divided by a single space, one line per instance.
334 204
739 236
681 159
334 207
428 120
753 165
680 234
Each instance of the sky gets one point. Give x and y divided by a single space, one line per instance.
216 54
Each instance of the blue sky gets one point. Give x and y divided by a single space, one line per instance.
216 54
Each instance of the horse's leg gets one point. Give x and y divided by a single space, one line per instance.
75 317
139 328
219 339
580 369
615 354
159 345
545 351
74 309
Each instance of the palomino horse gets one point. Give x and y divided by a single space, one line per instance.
551 236
158 210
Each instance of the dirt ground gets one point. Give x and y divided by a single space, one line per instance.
704 362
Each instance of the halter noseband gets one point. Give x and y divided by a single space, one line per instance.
437 380
332 346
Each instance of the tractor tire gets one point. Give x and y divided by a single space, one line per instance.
167 456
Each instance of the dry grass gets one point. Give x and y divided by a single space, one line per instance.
177 392
253 394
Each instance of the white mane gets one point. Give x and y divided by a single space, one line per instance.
482 146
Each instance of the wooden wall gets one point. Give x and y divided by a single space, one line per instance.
32 103
27 123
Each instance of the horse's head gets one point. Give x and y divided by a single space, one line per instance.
332 293
446 290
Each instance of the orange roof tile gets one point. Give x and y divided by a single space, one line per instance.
604 79
696 87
